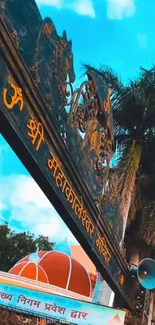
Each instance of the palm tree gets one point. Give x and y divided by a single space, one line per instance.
133 108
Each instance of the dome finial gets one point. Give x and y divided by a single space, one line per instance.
63 247
37 248
34 257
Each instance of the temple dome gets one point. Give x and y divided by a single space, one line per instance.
59 268
31 271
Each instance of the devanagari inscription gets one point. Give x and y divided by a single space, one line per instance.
55 308
31 302
66 188
36 133
6 296
34 303
89 227
102 248
78 314
53 165
21 299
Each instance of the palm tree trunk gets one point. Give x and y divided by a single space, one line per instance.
127 180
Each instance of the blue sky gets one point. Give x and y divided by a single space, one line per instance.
118 33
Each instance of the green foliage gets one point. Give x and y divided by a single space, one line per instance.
133 106
14 246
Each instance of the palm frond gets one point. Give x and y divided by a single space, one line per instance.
133 208
111 80
147 76
129 161
109 76
147 227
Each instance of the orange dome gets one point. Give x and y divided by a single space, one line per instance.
27 258
30 270
65 272
58 268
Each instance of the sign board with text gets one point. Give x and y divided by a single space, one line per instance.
34 121
59 308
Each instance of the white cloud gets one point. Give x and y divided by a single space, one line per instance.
2 206
30 209
29 192
119 9
142 40
81 7
54 3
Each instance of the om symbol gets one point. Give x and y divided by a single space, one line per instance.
17 97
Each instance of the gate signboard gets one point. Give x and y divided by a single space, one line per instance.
58 308
64 137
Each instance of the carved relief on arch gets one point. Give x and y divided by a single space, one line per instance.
90 113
